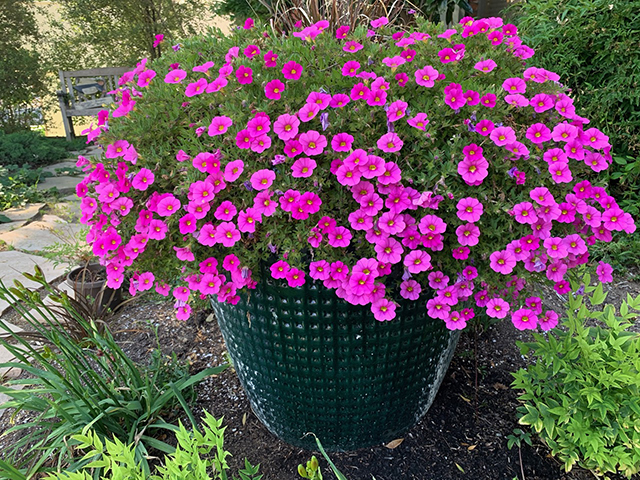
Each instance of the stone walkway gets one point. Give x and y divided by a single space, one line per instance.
32 229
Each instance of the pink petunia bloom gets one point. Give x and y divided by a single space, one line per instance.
485 127
145 78
461 253
339 237
157 230
233 170
525 213
420 121
556 248
342 142
538 133
247 220
503 136
262 179
604 271
273 89
260 143
117 149
514 85
410 289
426 76
359 91
143 179
417 261
342 31
390 142
502 262
187 224
397 110
313 143
227 234
524 319
308 112
244 75
469 209
564 132
286 126
454 96
376 97
560 173
259 125
394 62
168 206
352 46
488 100
473 172
438 280
542 102
517 100
485 66
472 97
292 70
295 277
383 309
389 250
468 234
196 88
350 68
438 309
455 321
542 196
225 211
303 167
175 76
219 125
549 320
497 308
339 100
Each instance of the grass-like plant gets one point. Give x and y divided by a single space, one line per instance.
581 391
74 384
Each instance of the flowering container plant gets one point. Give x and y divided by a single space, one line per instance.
428 167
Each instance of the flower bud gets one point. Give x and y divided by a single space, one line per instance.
302 471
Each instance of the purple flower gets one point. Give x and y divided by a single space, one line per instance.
324 120
278 159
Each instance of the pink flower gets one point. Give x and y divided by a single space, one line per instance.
488 100
473 172
339 237
145 78
560 173
342 142
143 179
117 149
273 89
604 271
503 136
350 68
244 75
233 170
410 289
247 220
468 234
397 110
262 179
438 309
376 97
514 85
175 76
454 96
286 126
420 121
227 234
342 31
168 206
524 319
497 308
308 112
383 309
542 102
438 280
196 88
472 97
319 270
390 142
417 261
352 47
225 211
538 133
313 143
485 66
549 320
502 262
484 127
280 269
469 209
292 70
295 277
379 22
389 250
339 100
303 167
525 213
219 125
359 90
455 321
426 76
517 100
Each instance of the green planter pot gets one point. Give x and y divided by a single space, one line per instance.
310 362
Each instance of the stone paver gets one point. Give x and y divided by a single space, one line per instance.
13 263
67 164
23 213
7 227
35 236
64 184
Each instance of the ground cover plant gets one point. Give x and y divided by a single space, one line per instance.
580 392
77 383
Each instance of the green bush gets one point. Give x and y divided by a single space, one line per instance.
34 149
92 384
581 393
118 460
599 59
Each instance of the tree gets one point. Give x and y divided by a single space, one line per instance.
99 33
21 69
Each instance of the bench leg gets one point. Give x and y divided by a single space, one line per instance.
68 127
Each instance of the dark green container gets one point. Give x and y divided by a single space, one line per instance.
311 362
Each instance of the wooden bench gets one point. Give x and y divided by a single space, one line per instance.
84 93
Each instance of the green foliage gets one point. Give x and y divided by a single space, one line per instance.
118 461
599 58
34 149
102 33
21 70
581 391
93 385
17 186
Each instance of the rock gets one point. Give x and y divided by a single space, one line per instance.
64 184
23 213
7 373
35 236
66 165
13 263
7 227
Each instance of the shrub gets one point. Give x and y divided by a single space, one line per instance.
187 463
581 391
34 149
598 59
18 186
93 383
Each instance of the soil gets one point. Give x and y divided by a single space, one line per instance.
463 435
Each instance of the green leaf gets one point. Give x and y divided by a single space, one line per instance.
598 296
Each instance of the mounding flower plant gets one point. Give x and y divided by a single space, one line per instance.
388 164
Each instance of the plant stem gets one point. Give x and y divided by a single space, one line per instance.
521 466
